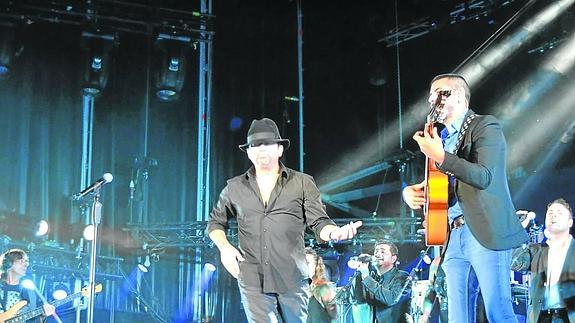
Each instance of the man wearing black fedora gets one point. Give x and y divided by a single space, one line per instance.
272 205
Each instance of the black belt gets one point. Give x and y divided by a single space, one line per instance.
458 222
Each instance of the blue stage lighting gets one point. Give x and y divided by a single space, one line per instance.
210 267
60 291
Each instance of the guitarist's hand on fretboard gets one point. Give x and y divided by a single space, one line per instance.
414 195
49 309
430 144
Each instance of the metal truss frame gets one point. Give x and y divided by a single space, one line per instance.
467 10
193 235
123 16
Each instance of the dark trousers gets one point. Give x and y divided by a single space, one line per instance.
288 307
553 316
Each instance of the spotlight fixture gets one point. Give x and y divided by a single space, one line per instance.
147 261
171 66
41 228
97 60
142 268
28 284
60 291
88 233
352 263
209 267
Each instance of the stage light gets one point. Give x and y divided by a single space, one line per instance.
527 97
88 233
41 228
236 123
60 291
207 274
352 263
492 58
28 284
147 261
142 268
9 48
475 71
210 267
97 59
171 65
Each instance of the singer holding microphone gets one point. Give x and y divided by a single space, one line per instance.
382 290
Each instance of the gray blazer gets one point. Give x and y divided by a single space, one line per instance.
481 185
534 259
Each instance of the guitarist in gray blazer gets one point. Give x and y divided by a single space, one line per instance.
552 265
484 228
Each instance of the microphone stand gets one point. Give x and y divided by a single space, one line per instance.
342 297
411 277
96 216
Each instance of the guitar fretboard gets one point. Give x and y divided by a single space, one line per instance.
40 310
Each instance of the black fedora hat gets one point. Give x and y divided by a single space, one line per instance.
264 131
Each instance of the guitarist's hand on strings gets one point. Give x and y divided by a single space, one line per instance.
430 144
414 196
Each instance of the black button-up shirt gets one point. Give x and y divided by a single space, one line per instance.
271 238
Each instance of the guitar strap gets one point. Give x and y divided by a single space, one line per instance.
463 130
460 137
3 296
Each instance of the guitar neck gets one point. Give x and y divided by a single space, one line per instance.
40 310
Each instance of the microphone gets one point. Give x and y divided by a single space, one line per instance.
526 215
106 178
355 261
365 258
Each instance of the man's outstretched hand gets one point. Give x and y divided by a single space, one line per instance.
345 232
230 256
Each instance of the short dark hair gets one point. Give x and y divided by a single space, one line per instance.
561 201
7 260
462 82
392 247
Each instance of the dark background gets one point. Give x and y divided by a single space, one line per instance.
352 84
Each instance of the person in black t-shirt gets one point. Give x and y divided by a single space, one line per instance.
13 266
